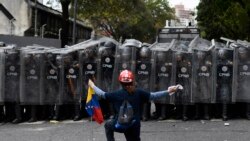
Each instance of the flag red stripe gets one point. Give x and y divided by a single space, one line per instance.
98 117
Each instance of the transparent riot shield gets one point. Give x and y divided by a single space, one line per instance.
162 70
143 75
202 74
106 64
32 70
105 69
182 62
88 67
241 76
202 77
223 73
125 59
12 75
2 62
68 71
143 68
51 80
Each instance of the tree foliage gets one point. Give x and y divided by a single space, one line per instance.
228 18
137 19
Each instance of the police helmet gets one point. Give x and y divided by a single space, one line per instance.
144 52
178 56
243 53
222 53
126 53
201 55
161 56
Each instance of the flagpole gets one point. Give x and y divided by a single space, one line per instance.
92 129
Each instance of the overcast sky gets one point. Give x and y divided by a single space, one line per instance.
189 4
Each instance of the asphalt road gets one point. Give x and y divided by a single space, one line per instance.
168 130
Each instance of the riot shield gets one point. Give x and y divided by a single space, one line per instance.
68 71
88 67
223 73
32 70
241 76
2 62
105 64
202 75
12 75
125 59
162 70
143 68
182 62
142 75
51 80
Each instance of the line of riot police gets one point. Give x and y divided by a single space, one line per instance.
44 83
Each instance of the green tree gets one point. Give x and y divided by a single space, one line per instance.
235 20
137 19
228 18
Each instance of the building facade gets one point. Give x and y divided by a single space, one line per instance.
32 18
185 17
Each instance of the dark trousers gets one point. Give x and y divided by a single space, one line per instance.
131 134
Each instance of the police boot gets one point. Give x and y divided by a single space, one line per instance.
197 112
18 113
146 111
33 114
156 114
163 112
1 114
57 112
9 115
206 112
51 112
184 113
77 112
224 112
248 111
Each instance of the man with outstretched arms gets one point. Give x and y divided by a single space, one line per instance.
127 103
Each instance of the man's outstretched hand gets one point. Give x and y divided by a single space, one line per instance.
91 83
173 89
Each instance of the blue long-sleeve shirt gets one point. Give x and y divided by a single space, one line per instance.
153 95
136 99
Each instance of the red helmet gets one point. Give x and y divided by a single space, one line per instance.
126 76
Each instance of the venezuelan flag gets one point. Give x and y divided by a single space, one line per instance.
92 106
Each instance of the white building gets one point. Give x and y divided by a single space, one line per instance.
13 21
185 17
32 18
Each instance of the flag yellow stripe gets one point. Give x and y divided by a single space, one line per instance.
90 93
